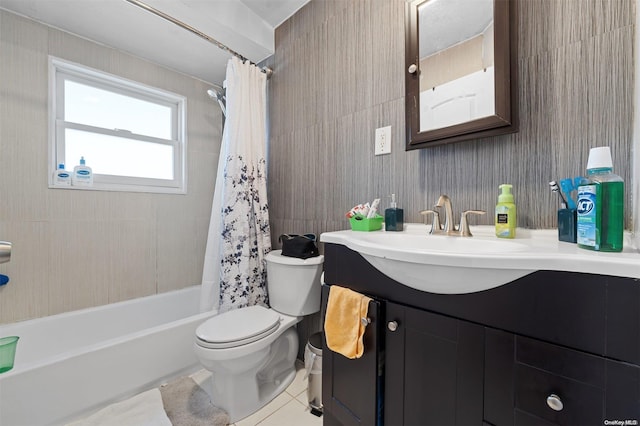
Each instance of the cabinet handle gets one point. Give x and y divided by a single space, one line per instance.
554 402
392 325
412 68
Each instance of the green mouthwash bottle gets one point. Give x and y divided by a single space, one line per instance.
601 205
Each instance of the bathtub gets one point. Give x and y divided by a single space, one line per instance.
71 364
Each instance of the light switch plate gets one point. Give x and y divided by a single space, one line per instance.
383 140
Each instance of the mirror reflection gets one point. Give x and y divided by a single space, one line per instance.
456 52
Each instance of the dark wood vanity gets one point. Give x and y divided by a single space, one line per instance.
551 348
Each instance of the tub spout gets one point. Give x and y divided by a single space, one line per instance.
5 251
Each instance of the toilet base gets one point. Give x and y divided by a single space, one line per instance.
242 393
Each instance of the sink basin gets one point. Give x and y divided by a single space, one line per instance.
441 243
444 279
457 265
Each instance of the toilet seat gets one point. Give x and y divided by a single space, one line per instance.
238 327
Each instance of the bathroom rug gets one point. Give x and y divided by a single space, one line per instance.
144 409
187 404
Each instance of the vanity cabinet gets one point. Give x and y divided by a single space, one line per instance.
492 357
433 368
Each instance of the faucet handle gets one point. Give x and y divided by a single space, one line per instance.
464 223
436 228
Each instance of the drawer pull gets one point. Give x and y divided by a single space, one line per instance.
392 325
554 402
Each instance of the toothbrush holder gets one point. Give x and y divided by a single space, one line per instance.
567 220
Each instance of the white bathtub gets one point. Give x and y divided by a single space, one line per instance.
71 364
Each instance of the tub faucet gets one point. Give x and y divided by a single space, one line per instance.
5 251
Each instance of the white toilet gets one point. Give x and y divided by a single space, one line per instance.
252 351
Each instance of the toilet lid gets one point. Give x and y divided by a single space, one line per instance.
237 327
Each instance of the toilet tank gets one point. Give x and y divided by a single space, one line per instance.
294 284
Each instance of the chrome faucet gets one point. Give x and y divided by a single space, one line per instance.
449 227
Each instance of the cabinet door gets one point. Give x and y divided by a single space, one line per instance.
350 386
433 370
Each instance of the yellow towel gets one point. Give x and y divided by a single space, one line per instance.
343 325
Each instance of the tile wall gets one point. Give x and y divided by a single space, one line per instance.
77 249
339 74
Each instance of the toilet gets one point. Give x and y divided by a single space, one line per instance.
251 352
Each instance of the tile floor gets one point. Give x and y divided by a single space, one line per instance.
290 408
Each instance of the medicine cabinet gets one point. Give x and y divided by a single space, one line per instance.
461 70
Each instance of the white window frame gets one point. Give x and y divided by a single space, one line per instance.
61 70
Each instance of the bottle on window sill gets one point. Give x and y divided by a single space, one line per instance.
82 174
61 177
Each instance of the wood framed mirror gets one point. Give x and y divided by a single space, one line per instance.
460 70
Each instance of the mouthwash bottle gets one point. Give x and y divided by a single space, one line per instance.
601 205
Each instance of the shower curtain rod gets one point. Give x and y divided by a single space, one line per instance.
199 33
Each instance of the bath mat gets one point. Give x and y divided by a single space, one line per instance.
144 409
187 404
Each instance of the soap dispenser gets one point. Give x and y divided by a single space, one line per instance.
505 213
393 216
82 174
61 177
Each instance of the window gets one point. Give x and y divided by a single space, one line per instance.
131 135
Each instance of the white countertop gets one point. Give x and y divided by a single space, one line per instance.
484 254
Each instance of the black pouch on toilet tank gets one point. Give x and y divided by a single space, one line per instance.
300 246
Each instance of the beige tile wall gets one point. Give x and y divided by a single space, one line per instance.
339 74
77 249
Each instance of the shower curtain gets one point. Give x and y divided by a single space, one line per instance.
239 239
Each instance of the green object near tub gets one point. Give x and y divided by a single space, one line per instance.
7 352
361 223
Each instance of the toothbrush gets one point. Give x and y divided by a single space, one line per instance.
579 180
555 188
567 187
374 208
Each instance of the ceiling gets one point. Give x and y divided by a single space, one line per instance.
446 23
246 26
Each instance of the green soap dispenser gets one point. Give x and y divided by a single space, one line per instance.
505 213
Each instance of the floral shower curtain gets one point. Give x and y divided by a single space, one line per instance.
239 238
